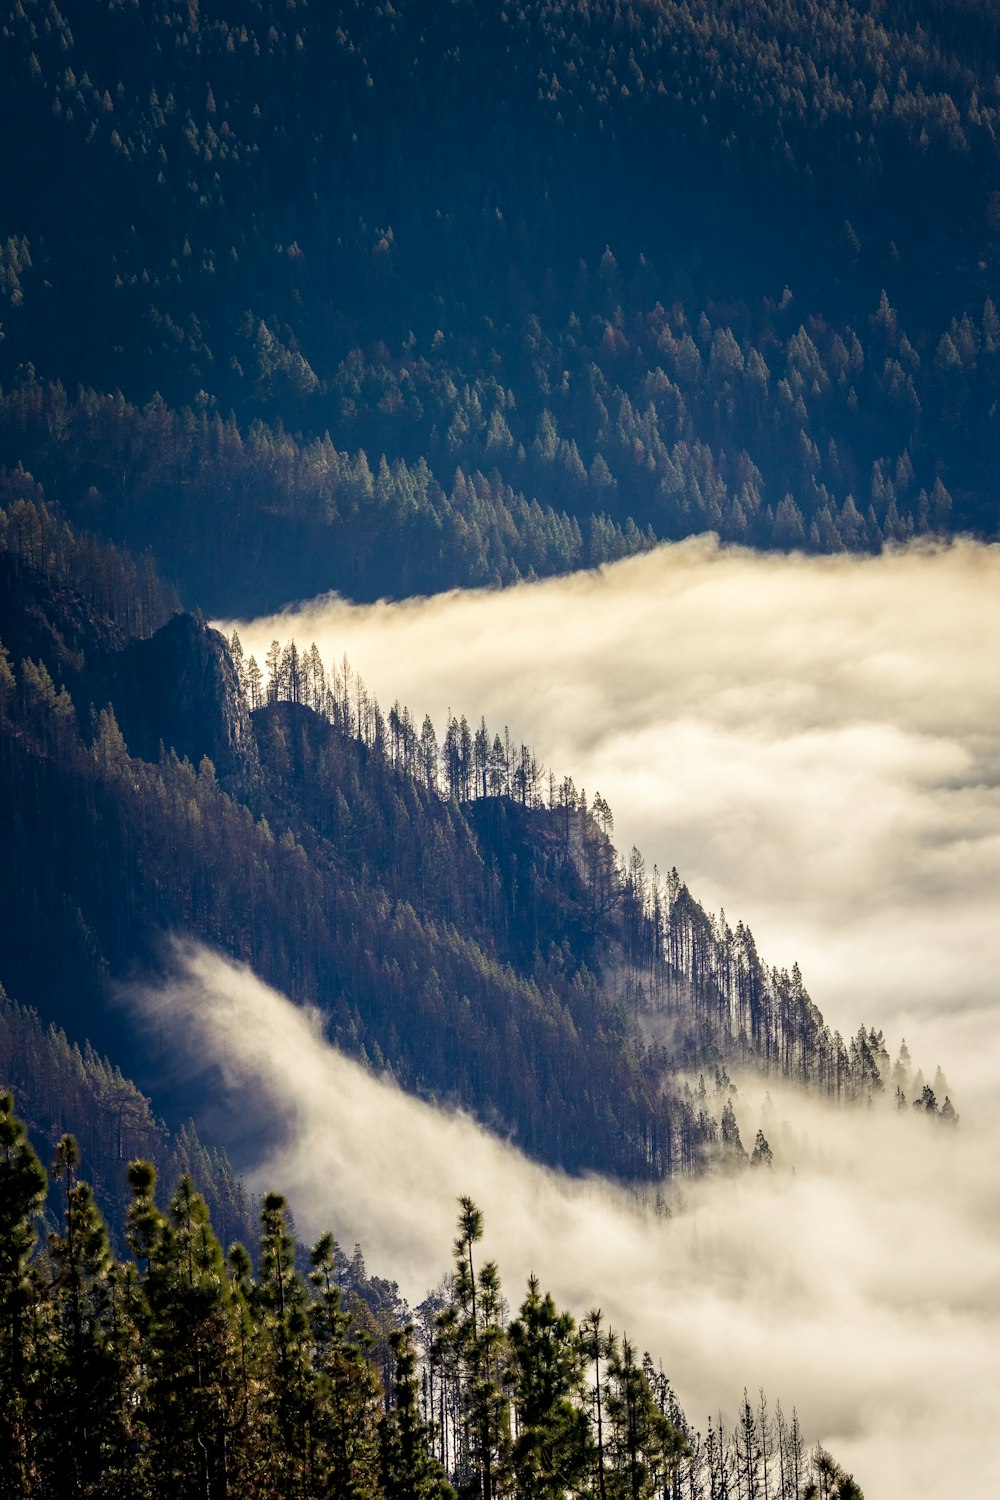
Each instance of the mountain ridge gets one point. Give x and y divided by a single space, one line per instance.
450 924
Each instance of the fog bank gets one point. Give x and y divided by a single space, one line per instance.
813 742
863 1286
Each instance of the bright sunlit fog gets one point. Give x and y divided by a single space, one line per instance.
814 743
857 1280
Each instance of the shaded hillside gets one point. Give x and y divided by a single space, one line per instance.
64 1087
459 918
507 291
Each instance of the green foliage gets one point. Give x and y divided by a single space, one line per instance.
553 1450
177 1374
829 1481
408 1469
195 1395
92 1380
647 1448
375 388
22 1192
471 1344
348 1394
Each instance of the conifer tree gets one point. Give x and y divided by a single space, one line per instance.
282 1312
828 1481
553 1450
762 1155
194 1405
407 1466
22 1193
144 1222
347 1392
476 1343
733 1153
598 1346
647 1448
92 1376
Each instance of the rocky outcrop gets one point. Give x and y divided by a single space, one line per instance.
179 689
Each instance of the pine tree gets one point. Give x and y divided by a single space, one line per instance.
474 1338
733 1153
195 1400
407 1466
762 1155
347 1391
748 1451
282 1312
598 1346
828 1481
791 1456
22 1194
92 1377
552 1451
646 1446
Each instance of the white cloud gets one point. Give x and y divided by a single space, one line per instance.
864 1287
813 742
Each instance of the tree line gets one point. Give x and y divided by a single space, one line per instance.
65 1087
491 951
130 594
674 958
181 1370
383 391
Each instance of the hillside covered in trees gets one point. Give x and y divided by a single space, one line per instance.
392 298
459 915
64 1087
184 1371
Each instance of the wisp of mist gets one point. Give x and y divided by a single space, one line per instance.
858 1279
815 744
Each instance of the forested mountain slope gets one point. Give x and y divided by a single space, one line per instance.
459 918
388 299
394 298
65 1087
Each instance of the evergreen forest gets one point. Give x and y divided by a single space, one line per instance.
388 299
308 270
187 1370
460 916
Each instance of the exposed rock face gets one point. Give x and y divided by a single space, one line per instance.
180 688
177 688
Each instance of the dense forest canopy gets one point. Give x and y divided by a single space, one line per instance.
63 1087
389 344
189 1370
389 299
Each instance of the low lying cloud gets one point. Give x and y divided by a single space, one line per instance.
858 1279
813 742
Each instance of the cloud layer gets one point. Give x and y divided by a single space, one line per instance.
813 742
862 1286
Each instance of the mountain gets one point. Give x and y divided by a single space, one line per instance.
459 920
506 291
480 941
389 299
61 1087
